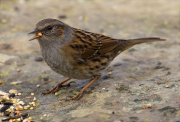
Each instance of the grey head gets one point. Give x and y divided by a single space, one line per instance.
50 31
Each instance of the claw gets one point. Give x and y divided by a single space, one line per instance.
73 97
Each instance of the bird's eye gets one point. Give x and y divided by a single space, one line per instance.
49 27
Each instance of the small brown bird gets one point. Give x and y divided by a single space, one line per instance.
76 53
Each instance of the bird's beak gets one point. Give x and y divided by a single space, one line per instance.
37 34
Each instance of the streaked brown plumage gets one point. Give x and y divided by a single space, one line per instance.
76 53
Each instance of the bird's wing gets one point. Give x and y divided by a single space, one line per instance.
89 44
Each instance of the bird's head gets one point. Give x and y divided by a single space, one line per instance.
48 29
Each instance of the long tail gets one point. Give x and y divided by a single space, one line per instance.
125 44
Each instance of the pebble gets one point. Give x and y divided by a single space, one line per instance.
62 16
38 59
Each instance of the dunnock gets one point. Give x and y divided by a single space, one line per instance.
76 53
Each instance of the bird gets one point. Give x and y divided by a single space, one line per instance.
78 54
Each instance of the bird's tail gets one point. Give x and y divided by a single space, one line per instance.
125 44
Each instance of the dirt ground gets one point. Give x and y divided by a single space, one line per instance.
145 74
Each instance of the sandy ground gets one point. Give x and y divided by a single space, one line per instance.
140 75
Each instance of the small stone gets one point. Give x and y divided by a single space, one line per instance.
62 16
38 59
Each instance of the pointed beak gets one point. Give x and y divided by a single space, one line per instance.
37 34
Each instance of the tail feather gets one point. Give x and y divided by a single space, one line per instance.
125 44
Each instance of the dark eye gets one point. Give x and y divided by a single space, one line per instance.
49 27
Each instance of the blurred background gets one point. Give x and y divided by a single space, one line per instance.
115 18
154 65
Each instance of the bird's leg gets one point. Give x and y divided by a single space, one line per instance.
78 96
59 85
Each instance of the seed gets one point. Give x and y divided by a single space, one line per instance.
34 105
39 34
38 86
109 73
30 118
41 118
45 115
19 119
56 93
30 103
149 105
31 108
0 82
21 103
144 107
34 99
28 106
19 108
28 97
32 94
61 101
13 91
18 70
167 86
19 94
25 108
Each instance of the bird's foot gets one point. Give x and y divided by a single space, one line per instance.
56 88
75 97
